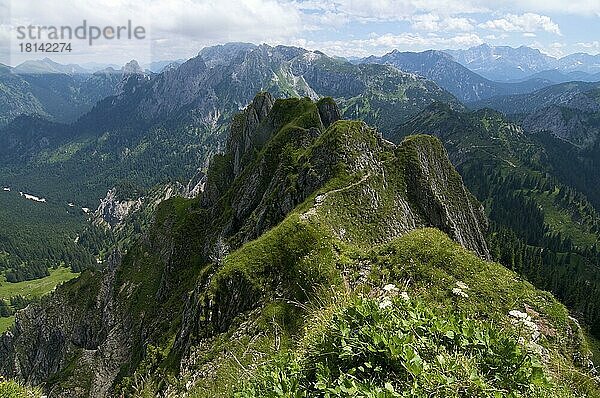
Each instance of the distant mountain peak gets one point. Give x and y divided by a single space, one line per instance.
132 67
48 66
503 63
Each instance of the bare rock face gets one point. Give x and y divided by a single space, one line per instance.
437 190
571 125
112 212
132 77
243 135
195 185
329 111
85 333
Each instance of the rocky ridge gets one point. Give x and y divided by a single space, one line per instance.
173 283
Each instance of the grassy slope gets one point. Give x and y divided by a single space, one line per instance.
11 389
263 297
6 323
425 261
564 220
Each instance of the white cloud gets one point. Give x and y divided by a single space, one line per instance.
589 46
175 28
381 44
373 10
496 37
555 49
388 10
215 19
179 28
200 18
400 10
458 24
433 23
572 7
528 22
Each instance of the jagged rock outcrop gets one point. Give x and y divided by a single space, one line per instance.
115 212
195 185
132 76
243 137
112 211
77 332
438 190
283 165
398 188
329 111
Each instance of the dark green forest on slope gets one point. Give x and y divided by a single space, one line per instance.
51 232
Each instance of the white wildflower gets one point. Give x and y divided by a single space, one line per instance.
385 303
404 296
457 291
462 285
530 324
538 349
390 288
518 314
522 319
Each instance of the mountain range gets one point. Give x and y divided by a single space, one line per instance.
568 111
196 100
165 127
275 219
61 93
503 63
465 84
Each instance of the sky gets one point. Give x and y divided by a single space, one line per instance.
178 29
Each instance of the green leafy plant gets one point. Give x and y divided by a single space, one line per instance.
12 389
393 347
